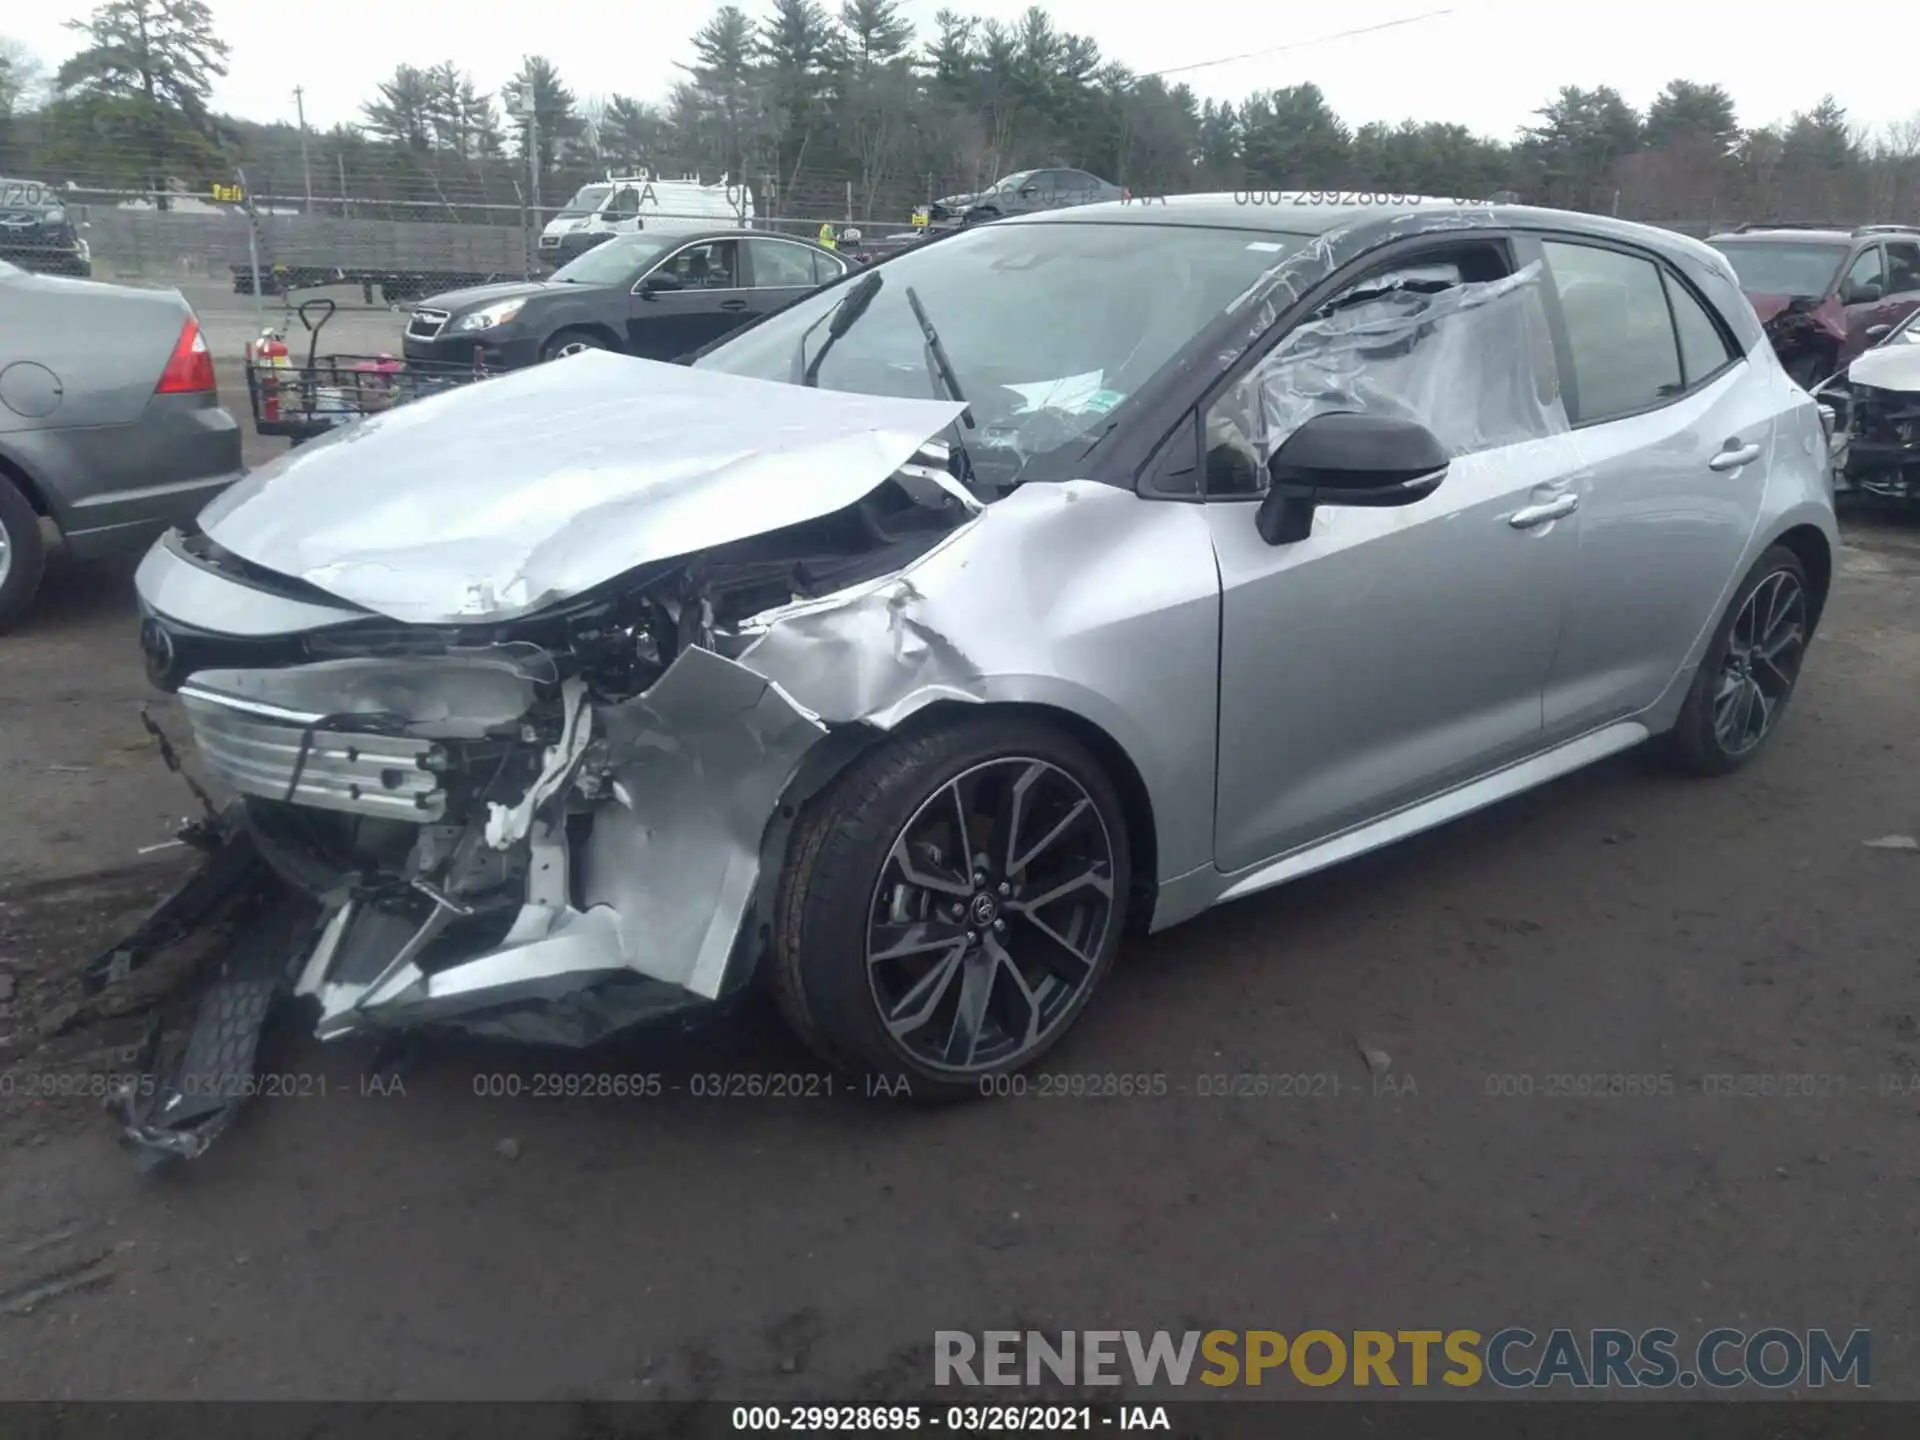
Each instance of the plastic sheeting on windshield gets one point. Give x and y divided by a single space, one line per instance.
1472 362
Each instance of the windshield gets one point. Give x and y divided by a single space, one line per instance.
1050 327
585 201
613 262
1766 267
1013 182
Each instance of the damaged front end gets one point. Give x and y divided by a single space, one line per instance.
1875 427
542 826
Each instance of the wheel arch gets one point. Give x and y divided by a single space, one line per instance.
591 327
1811 547
847 744
25 484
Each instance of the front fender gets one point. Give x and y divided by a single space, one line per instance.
1079 597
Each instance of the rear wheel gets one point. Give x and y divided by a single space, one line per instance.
1750 669
950 904
22 556
572 342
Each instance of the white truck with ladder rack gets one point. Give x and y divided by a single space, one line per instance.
631 204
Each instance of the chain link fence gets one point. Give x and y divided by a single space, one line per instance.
396 237
387 232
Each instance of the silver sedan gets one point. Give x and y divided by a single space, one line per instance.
1061 577
110 422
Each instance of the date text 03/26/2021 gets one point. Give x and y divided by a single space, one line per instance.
950 1419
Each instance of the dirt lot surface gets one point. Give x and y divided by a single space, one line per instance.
440 1242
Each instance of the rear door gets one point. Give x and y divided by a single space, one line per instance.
779 272
710 301
1675 432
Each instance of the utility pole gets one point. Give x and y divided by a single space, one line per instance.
530 112
306 166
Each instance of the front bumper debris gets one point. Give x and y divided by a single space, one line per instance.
1875 448
618 888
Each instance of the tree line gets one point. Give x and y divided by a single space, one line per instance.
850 111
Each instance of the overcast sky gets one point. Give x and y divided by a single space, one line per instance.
1486 64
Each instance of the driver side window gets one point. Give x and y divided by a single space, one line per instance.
711 266
1867 270
1451 338
624 205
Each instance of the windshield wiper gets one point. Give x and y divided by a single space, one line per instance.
838 321
943 377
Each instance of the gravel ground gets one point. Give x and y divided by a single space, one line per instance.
440 1242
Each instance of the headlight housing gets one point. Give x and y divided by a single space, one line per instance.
490 318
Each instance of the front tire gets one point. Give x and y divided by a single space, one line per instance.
1749 671
572 342
22 555
950 904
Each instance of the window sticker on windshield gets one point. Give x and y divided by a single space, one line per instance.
1264 245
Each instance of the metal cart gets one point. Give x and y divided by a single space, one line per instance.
301 401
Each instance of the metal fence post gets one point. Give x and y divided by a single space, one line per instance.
253 245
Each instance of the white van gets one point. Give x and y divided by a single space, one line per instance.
628 205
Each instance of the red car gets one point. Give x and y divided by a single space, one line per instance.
1824 293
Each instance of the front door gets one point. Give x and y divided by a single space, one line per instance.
710 300
1862 295
622 211
1903 289
1396 653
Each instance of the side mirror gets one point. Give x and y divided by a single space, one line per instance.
1874 332
1860 294
660 281
1345 459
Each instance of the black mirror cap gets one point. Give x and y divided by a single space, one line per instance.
1345 452
654 284
1348 459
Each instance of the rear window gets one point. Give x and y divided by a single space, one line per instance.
1795 268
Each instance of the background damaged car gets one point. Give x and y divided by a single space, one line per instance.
1073 574
1825 293
1876 417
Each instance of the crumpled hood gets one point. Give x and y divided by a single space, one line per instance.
1888 367
502 497
1768 306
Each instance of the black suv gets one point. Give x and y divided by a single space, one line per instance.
1825 292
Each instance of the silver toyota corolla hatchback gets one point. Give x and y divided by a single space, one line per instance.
903 650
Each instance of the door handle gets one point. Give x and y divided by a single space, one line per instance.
1540 514
1733 458
733 304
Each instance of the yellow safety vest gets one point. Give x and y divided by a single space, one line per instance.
826 236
